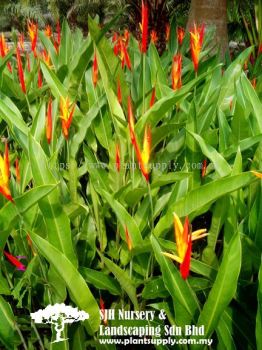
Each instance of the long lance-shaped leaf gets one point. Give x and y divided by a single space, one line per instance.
179 289
251 95
201 197
161 107
8 334
259 311
57 223
223 289
84 124
220 164
125 218
75 283
109 68
10 213
12 116
124 280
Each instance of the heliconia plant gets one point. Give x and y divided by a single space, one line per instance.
130 180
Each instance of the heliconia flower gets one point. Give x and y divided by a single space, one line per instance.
153 96
167 31
14 261
30 243
48 31
143 157
20 70
144 27
126 57
128 239
21 41
46 57
119 92
204 168
154 37
117 157
102 309
114 37
49 125
95 70
120 48
260 48
17 170
67 113
196 42
131 122
184 238
4 175
4 51
176 72
39 79
257 174
180 35
126 37
33 32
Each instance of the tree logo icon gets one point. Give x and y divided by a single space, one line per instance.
59 315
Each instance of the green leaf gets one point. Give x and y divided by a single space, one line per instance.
7 325
57 223
75 283
220 164
259 310
201 197
125 219
10 213
124 280
223 289
100 280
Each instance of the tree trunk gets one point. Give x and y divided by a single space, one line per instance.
211 13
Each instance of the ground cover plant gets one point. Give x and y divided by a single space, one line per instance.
129 180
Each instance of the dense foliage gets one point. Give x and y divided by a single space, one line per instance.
88 204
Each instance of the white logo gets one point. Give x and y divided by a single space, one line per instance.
58 315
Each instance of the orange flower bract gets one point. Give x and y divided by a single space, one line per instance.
67 112
4 175
196 42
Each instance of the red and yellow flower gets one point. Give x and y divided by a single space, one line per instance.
20 70
184 238
5 175
180 35
196 42
67 112
118 157
144 27
128 239
153 97
154 37
144 156
48 31
4 51
33 32
176 74
49 123
95 70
